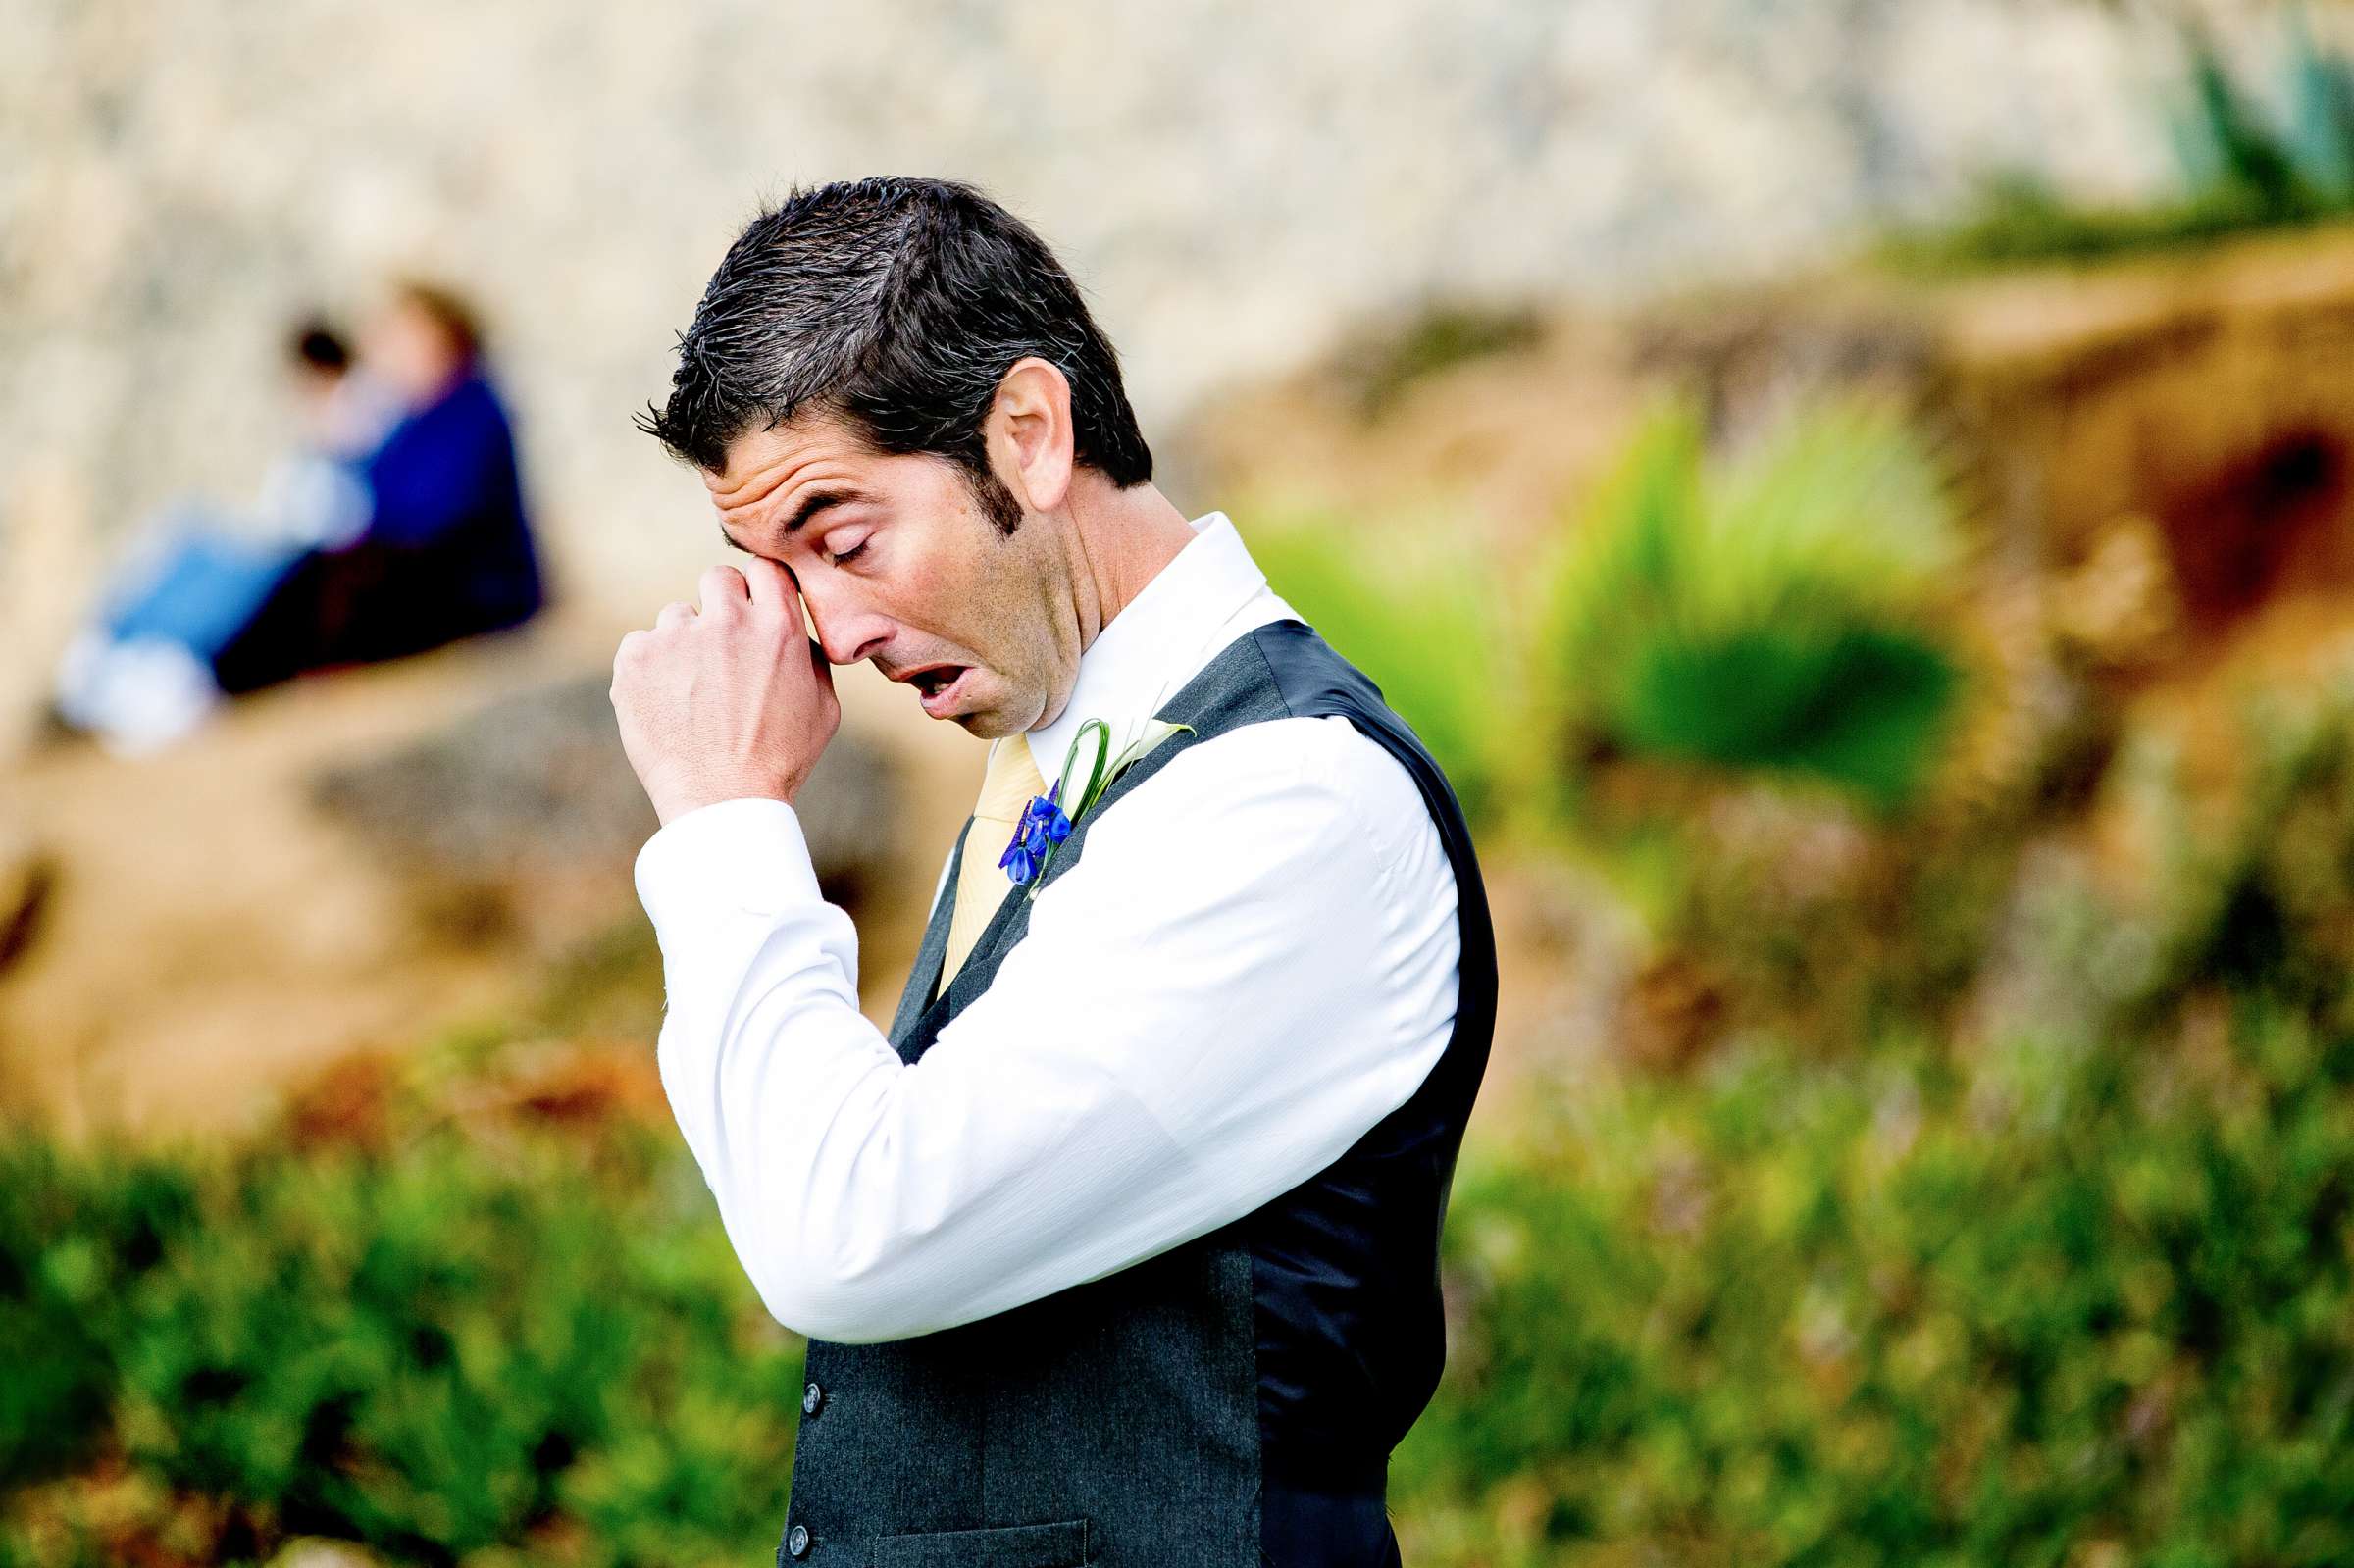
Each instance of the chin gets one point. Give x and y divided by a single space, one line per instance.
995 717
986 725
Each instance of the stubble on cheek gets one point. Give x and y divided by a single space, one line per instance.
1006 629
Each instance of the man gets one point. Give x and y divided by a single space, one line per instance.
1120 1247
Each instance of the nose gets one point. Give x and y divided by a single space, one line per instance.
847 631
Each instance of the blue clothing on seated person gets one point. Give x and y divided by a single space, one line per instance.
444 480
447 552
140 675
202 590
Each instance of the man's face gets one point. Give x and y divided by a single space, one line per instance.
898 564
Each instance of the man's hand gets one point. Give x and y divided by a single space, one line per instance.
731 700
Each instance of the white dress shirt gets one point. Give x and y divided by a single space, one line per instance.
1253 963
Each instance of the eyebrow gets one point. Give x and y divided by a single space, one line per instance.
812 504
818 501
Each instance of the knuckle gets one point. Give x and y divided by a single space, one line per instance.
724 589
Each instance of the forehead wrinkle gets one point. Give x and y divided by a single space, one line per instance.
761 481
753 497
818 443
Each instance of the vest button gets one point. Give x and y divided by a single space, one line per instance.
796 1540
811 1397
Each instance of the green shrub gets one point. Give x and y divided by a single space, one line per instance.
1901 1314
75 1236
1779 615
1775 615
2073 1295
454 1347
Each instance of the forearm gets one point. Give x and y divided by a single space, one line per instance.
773 1073
867 1200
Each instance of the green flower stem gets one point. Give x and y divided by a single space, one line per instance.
1101 775
1095 784
1094 778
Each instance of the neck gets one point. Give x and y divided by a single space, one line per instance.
1121 541
1115 541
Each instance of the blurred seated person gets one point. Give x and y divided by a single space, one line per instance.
139 673
445 551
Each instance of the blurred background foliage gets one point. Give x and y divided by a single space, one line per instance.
1776 616
2079 1290
1900 1310
1906 714
2249 155
1435 629
514 1334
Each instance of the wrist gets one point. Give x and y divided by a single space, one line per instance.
739 854
672 804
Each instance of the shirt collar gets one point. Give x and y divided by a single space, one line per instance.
1152 646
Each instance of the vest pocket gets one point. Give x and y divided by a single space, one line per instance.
1062 1544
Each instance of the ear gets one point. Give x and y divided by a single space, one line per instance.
1028 432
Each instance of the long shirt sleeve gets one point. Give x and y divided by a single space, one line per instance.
1252 964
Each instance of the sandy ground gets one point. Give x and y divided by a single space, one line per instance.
210 937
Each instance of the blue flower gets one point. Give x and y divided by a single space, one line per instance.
1043 824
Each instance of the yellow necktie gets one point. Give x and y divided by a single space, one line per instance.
1011 778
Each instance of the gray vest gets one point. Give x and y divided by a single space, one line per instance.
1235 1395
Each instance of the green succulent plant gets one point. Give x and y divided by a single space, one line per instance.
1775 613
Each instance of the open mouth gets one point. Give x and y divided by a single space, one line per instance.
938 686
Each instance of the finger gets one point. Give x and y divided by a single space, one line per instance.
678 612
769 583
825 683
724 588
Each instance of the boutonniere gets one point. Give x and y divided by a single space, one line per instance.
1045 821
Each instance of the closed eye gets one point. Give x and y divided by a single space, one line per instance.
850 554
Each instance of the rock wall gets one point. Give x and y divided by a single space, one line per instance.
1233 182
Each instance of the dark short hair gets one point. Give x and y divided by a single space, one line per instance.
319 346
895 305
